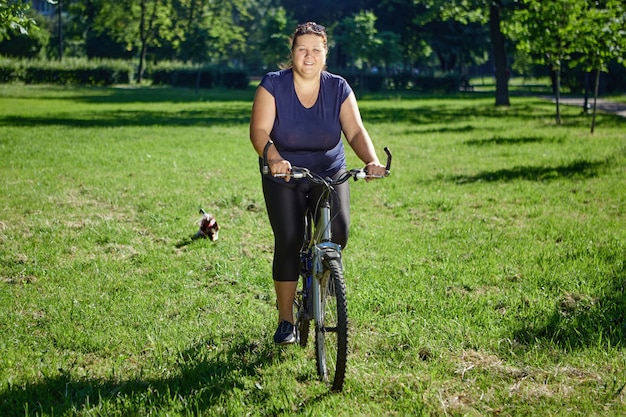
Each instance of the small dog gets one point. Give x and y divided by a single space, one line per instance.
208 227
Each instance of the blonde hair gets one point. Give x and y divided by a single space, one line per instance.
309 28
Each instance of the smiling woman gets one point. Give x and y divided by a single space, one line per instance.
303 110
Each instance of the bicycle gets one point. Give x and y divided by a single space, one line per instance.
322 297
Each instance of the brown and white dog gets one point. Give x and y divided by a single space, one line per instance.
208 227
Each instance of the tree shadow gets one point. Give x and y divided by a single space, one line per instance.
134 94
433 111
576 169
439 113
511 141
128 118
580 321
237 107
205 376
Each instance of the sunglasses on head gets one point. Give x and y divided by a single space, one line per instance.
310 27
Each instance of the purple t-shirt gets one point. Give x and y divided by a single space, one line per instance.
309 138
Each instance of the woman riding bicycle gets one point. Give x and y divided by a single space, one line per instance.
304 109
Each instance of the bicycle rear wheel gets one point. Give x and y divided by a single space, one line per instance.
331 330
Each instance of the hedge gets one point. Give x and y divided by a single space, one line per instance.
403 81
179 75
103 73
71 71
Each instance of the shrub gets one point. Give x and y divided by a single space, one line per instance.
9 70
72 71
232 78
403 81
187 75
180 75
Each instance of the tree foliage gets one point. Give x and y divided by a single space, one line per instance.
274 49
20 43
13 18
355 37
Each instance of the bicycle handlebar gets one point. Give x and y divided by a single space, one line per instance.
301 172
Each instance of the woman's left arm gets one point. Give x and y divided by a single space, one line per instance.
357 136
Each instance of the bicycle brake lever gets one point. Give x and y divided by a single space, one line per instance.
266 168
388 165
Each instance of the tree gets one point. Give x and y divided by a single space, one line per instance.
492 12
139 23
548 32
499 53
477 11
210 31
601 39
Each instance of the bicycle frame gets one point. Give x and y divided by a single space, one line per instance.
321 247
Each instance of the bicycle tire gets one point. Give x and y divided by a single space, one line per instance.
331 334
302 321
300 310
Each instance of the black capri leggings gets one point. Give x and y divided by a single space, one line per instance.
286 204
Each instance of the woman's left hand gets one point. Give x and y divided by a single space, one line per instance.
376 170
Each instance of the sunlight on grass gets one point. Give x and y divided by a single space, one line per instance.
484 276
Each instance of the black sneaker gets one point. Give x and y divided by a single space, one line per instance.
285 334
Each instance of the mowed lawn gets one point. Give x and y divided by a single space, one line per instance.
485 276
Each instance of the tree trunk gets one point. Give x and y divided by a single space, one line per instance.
60 16
499 54
557 93
142 37
142 60
595 101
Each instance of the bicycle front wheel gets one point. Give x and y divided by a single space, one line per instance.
331 328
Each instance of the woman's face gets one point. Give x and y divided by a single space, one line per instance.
309 54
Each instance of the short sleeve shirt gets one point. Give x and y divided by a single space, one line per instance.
309 137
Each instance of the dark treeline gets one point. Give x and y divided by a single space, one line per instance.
430 38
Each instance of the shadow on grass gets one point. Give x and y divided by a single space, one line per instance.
425 113
232 114
205 377
234 106
576 169
579 321
511 141
133 94
125 118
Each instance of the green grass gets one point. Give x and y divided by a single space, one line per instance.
486 276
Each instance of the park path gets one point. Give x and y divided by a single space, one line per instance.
602 105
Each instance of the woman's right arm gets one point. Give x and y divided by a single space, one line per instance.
261 124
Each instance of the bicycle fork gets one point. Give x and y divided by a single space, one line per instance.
323 251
